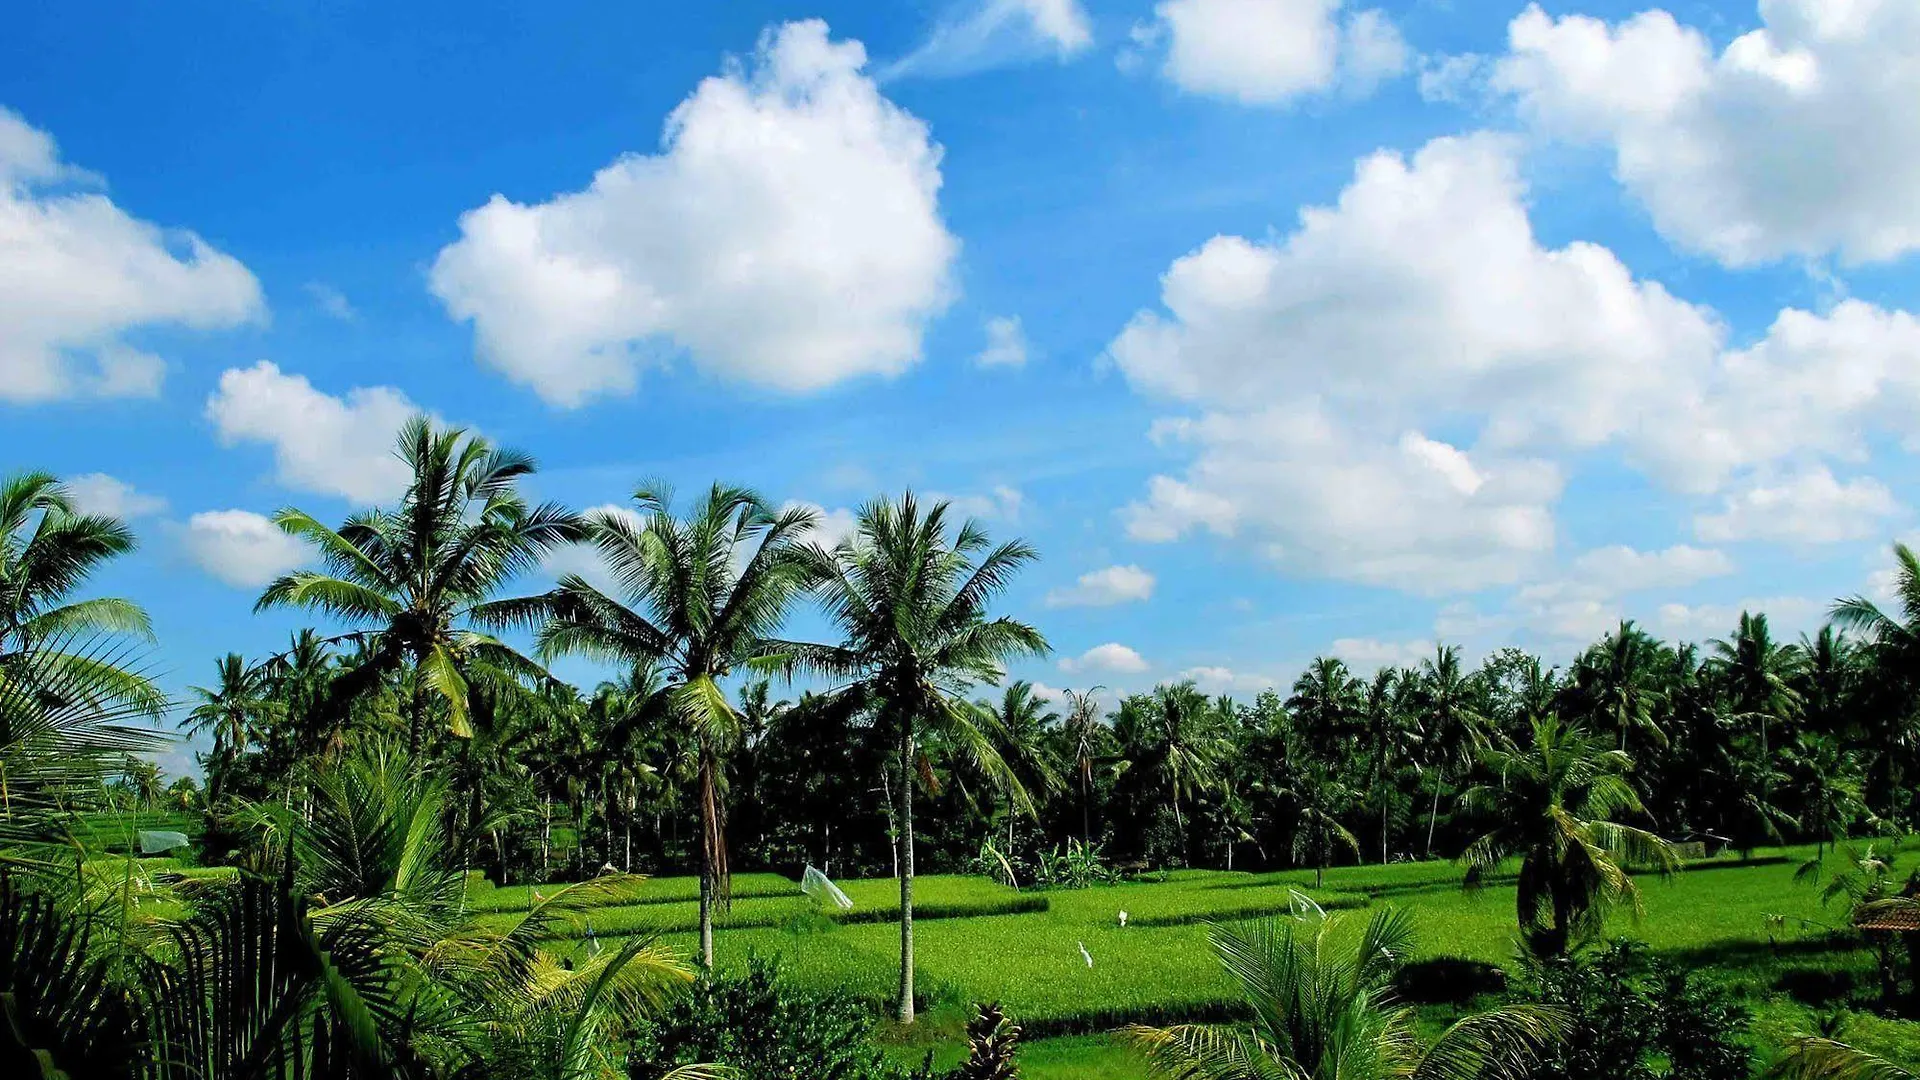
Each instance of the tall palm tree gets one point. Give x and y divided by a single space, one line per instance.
1323 1009
418 578
47 551
705 597
1172 743
1553 804
1087 737
1758 675
911 598
1324 699
1021 726
1451 723
231 711
1616 679
1392 737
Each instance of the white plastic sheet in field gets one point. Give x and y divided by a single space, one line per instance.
155 841
815 884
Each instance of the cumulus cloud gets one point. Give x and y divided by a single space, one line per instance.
322 443
240 547
1270 52
832 526
78 274
1220 680
1006 343
1105 588
1811 507
982 34
1112 658
1372 653
1797 139
1620 569
787 235
1787 616
1586 600
1002 503
98 493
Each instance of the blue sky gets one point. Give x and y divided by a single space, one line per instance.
1280 326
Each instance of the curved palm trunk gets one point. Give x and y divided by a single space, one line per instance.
903 842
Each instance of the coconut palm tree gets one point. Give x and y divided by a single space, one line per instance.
1757 675
910 596
1811 1057
1021 727
703 598
1087 738
1323 1009
231 712
1172 743
1616 680
1392 738
1553 802
48 549
417 579
1451 723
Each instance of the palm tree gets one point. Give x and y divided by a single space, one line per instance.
910 596
1323 1009
1391 735
1020 726
1324 698
1810 1057
1616 679
705 596
1451 724
1172 745
1758 675
1896 637
47 551
1553 805
409 577
231 712
1320 798
1087 737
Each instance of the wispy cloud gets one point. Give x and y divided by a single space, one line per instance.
986 34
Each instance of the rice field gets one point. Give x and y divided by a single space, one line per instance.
1068 971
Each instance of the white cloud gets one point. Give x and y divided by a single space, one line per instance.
1006 343
98 493
1811 507
241 548
788 235
1105 588
1220 680
1111 658
983 34
1316 497
1371 653
1620 569
1787 616
1798 139
78 274
332 301
1269 52
1002 503
320 442
833 525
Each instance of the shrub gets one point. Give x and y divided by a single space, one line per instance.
993 1041
1632 1018
764 1027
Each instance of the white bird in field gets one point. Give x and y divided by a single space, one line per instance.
1087 956
1123 918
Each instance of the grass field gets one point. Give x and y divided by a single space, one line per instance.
976 940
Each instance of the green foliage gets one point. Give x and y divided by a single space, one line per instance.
763 1026
1632 1018
993 1041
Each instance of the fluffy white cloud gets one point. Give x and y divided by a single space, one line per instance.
787 235
241 548
1372 653
1266 52
1620 569
1811 507
78 274
993 32
98 493
320 442
1315 497
1006 343
1799 138
1220 680
1111 658
1787 616
833 525
1002 503
1105 588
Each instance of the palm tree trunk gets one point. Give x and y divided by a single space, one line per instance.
1433 815
1383 825
904 843
1086 810
712 855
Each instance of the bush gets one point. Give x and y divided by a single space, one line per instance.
1632 1018
1449 980
764 1027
